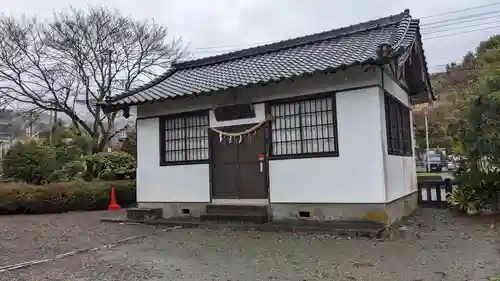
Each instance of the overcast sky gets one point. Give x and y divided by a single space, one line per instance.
215 26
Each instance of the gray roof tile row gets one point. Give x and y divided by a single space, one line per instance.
326 51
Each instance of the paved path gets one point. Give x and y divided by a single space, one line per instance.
433 246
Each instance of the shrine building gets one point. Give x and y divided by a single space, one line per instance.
312 128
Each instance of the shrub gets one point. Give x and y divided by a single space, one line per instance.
18 198
76 169
72 135
476 188
70 144
112 165
462 198
30 160
68 153
104 165
84 142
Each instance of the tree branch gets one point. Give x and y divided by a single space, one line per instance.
80 57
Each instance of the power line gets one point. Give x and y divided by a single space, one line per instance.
213 49
462 10
468 18
453 34
457 69
440 65
448 59
463 32
433 25
425 38
455 23
452 70
462 27
462 18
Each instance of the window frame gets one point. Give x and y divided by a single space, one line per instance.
293 100
398 127
162 136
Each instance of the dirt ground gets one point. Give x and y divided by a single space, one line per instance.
30 237
434 245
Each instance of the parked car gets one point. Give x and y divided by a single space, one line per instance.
451 166
435 162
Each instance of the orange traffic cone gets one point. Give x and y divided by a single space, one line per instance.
113 205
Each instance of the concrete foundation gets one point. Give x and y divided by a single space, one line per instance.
174 210
402 207
386 213
144 214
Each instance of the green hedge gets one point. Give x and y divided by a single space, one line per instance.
20 198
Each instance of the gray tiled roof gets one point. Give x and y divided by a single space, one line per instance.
326 51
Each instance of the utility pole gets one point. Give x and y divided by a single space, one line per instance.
427 140
110 52
51 123
30 124
108 117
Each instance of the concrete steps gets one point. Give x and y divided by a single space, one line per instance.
236 213
252 217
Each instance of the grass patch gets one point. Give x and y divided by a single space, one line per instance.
421 169
494 278
427 174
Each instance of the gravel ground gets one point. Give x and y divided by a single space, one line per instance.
434 245
30 237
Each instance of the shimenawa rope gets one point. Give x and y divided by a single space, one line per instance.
247 131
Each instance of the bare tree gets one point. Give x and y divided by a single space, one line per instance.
81 57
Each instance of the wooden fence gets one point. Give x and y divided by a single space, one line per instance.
432 191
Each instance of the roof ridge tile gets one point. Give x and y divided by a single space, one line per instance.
363 43
296 42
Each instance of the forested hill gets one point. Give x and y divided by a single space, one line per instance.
455 88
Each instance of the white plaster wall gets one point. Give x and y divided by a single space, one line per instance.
394 89
155 183
401 176
356 176
400 171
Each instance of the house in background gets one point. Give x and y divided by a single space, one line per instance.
122 129
6 137
9 124
286 128
14 124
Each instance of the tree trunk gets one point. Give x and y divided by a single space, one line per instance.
101 145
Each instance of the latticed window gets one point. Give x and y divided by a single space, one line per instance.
185 138
304 127
398 127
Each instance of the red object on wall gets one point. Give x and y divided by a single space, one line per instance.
113 205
